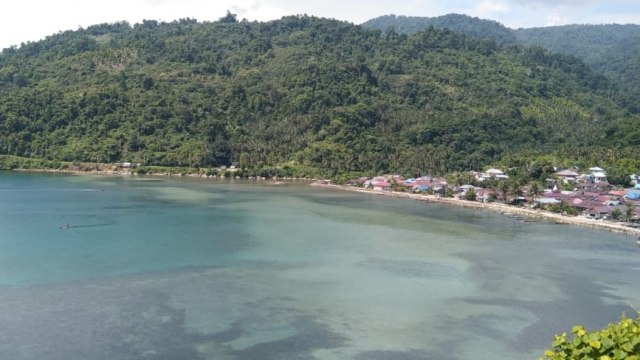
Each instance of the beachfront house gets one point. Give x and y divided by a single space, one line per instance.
598 212
485 194
380 185
542 201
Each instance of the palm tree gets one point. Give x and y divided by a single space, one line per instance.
616 214
534 190
628 214
503 186
516 189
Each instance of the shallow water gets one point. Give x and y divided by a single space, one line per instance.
184 269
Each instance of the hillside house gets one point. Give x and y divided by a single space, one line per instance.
567 176
598 174
489 174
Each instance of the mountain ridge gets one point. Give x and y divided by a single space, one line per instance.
612 49
301 92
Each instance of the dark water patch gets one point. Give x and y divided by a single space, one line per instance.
554 316
94 323
310 336
234 332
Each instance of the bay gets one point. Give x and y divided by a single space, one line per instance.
157 268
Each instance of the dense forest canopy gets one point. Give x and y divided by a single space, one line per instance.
464 24
613 50
304 92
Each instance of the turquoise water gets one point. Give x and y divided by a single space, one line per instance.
183 269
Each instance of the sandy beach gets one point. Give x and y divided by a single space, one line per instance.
501 208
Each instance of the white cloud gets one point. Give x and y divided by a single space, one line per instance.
556 20
488 8
614 19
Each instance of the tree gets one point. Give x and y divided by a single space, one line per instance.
629 212
616 214
515 189
504 188
535 190
470 195
229 18
617 341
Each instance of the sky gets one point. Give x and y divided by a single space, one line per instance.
32 20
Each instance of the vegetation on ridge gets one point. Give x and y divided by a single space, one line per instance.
317 95
613 50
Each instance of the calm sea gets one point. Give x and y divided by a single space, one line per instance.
152 268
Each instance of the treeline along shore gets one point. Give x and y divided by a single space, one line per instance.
497 207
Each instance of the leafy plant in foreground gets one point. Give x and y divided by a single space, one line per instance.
617 341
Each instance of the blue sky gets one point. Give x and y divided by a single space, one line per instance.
31 20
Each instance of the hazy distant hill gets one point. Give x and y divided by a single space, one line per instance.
459 23
313 94
613 50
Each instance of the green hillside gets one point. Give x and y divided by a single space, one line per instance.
464 24
613 50
316 95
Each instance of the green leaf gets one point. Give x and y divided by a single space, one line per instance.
549 353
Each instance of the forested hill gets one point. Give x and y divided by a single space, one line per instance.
464 24
613 50
310 94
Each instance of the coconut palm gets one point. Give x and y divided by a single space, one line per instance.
504 187
535 190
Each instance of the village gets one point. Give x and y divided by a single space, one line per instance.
569 192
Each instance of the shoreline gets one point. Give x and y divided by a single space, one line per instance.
498 208
495 207
168 174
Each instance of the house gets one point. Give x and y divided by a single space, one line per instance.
547 201
496 173
594 187
484 194
380 185
425 183
567 176
489 174
598 174
420 188
598 212
617 193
